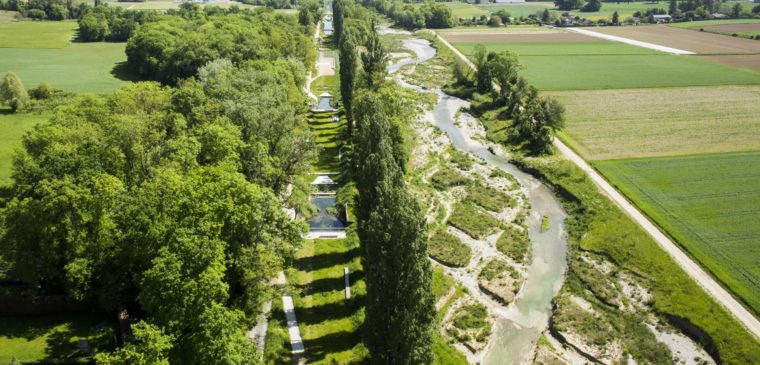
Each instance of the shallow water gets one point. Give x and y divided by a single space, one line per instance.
324 103
420 47
518 326
324 220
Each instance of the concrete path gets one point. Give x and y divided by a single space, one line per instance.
632 42
712 287
296 343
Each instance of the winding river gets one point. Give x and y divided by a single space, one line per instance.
520 324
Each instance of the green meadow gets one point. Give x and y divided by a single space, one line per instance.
709 203
624 9
707 23
78 67
13 126
36 34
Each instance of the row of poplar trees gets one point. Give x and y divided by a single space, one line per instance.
400 308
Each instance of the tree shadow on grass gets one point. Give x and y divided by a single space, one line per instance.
328 312
122 72
333 283
326 260
318 348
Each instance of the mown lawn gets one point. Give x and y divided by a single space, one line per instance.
13 126
79 67
51 337
707 23
36 34
328 137
330 324
709 203
614 124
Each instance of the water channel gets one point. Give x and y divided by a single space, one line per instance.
520 324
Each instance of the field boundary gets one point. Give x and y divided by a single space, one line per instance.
707 282
632 42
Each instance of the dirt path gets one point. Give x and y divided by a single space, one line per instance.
632 42
706 281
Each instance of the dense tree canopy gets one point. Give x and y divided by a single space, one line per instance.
174 47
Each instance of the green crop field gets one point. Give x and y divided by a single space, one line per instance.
12 128
709 203
35 34
614 124
625 9
558 48
80 67
51 337
629 71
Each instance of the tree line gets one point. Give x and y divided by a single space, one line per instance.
170 200
400 310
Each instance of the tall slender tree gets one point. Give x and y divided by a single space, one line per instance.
339 10
374 60
347 61
400 309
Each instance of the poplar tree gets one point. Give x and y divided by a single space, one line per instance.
374 60
400 306
347 61
338 8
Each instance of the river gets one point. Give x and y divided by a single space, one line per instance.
520 324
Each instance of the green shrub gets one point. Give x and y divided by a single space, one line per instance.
446 178
489 198
460 159
448 249
471 220
515 244
495 269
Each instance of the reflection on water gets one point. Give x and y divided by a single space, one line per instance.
324 220
324 103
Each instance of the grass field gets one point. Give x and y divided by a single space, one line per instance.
709 203
328 134
12 128
614 124
624 9
689 40
80 67
36 34
463 10
50 337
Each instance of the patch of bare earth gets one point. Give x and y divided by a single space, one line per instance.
520 38
750 61
730 28
685 39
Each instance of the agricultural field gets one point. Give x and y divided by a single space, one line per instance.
624 9
463 10
560 61
614 124
685 39
708 203
13 126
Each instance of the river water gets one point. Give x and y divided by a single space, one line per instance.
520 324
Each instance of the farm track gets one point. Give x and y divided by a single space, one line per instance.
712 287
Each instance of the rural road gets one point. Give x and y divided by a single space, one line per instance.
720 294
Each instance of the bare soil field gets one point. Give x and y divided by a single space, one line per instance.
518 29
689 40
730 28
523 38
614 124
748 61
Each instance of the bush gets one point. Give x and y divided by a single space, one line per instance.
489 198
460 159
471 220
448 249
37 14
515 244
446 178
43 91
496 269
